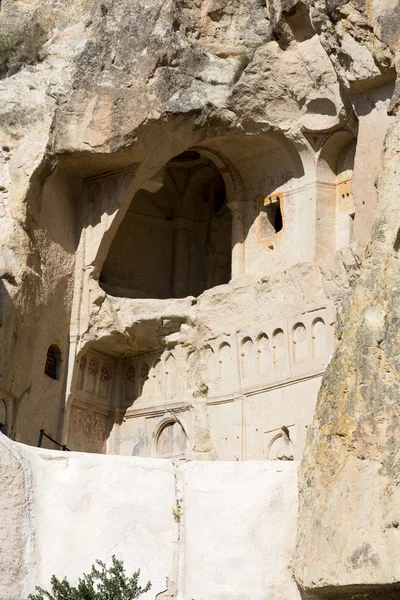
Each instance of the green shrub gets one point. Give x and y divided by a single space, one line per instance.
100 584
20 46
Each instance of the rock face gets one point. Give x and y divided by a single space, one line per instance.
186 187
349 498
178 216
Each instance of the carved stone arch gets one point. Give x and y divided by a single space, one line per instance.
225 361
330 134
329 157
233 181
318 334
299 342
334 205
247 356
280 446
346 157
236 197
103 235
263 352
169 439
278 346
174 252
134 179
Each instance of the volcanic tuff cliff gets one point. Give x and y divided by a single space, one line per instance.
349 496
105 85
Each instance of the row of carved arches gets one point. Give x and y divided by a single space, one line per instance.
259 354
95 374
168 377
150 378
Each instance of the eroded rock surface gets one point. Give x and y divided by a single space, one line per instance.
349 499
186 187
269 100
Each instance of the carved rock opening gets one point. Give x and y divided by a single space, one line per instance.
271 219
53 362
174 242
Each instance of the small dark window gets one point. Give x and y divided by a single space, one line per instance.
53 362
271 221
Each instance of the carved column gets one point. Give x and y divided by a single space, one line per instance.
237 209
181 266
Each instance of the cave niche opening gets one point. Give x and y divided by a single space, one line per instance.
174 242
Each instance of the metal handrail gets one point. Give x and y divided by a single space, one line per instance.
42 434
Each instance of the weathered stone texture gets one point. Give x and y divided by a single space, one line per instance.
186 187
349 500
272 97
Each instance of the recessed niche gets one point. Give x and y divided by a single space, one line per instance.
270 219
172 243
53 362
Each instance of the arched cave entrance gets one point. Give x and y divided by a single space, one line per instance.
335 206
174 242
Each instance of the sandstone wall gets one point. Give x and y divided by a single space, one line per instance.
234 538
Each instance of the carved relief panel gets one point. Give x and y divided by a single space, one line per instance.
151 380
88 430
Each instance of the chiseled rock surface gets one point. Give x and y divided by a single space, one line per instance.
139 82
349 484
123 83
112 68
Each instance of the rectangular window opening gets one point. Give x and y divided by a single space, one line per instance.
271 221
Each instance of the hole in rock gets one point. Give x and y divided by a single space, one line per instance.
298 19
53 362
322 106
271 220
396 244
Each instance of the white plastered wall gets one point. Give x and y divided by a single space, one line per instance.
234 538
